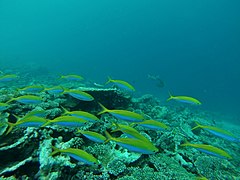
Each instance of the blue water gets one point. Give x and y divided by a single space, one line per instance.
194 46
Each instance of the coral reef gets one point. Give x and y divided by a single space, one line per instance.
26 151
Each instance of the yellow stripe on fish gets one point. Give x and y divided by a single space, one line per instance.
120 127
80 95
218 132
94 136
8 77
69 121
184 99
72 77
77 154
55 90
130 132
81 114
135 145
214 151
123 114
152 124
27 99
122 84
4 106
29 121
32 89
38 113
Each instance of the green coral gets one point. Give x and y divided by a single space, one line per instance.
215 168
169 167
137 173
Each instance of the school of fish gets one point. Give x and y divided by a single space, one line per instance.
134 140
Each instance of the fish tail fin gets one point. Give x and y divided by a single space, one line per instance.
198 126
108 136
170 96
113 124
55 151
10 100
104 109
186 143
79 131
43 88
65 111
10 127
62 77
65 90
117 127
133 124
109 80
17 117
47 123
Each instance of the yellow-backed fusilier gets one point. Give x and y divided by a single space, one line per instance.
38 113
4 106
80 95
121 84
30 121
8 77
55 90
72 77
94 136
135 145
130 132
218 132
69 121
211 150
123 114
121 127
32 89
184 99
27 99
77 154
81 114
152 124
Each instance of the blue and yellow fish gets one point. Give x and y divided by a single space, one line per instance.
94 136
27 99
211 150
30 121
77 154
123 114
81 114
69 121
122 127
38 113
121 84
32 89
55 90
153 125
80 95
218 132
72 77
4 106
135 145
8 77
184 99
130 132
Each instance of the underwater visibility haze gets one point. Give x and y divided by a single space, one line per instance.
120 89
